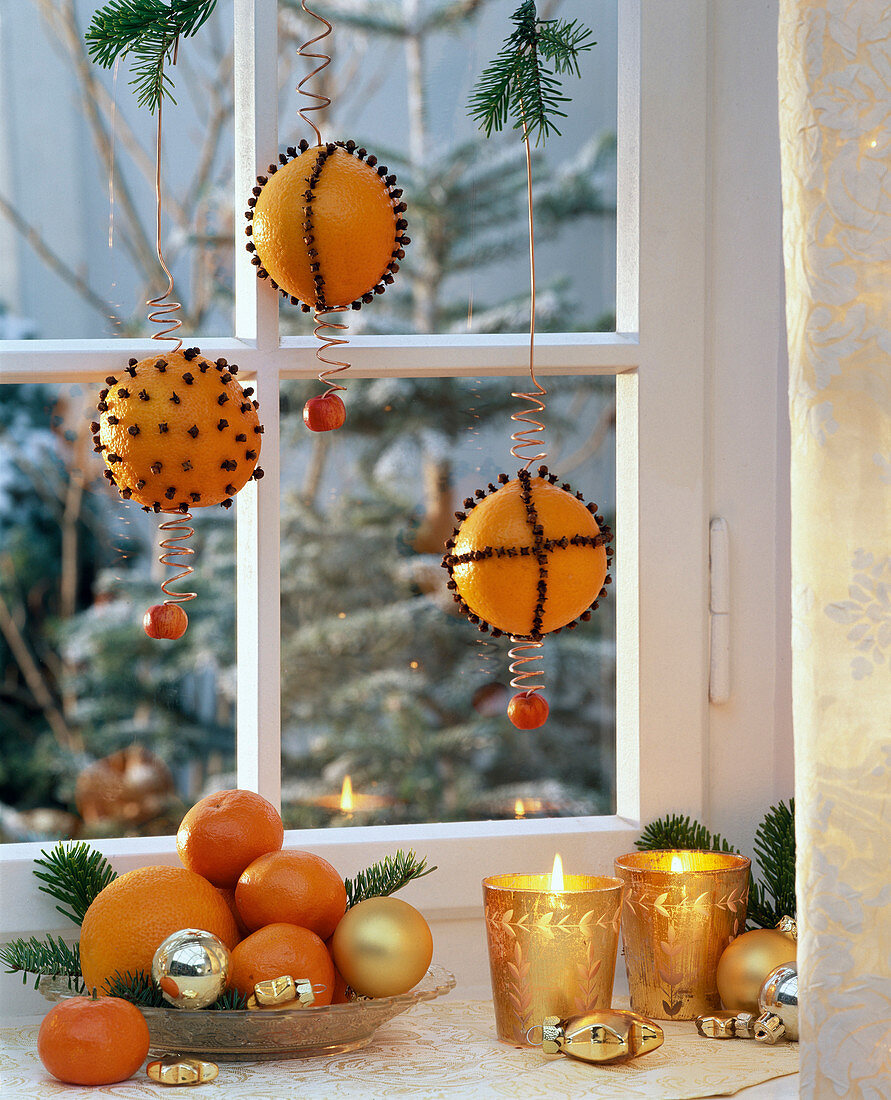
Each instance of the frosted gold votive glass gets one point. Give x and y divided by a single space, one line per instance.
681 910
550 953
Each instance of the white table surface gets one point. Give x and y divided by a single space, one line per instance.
444 1050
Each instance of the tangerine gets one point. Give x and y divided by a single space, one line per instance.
528 559
226 831
134 914
93 1042
326 228
178 432
278 949
294 887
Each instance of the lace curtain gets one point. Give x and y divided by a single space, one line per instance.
835 131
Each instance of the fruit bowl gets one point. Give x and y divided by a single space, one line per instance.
234 1036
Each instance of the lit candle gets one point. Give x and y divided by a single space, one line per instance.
552 946
681 910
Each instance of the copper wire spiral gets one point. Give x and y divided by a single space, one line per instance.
335 366
528 439
173 551
160 313
323 100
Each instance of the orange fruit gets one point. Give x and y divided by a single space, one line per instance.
528 559
226 831
281 949
87 1042
291 886
129 919
326 228
178 432
227 893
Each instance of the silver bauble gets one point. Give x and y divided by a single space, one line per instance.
778 1001
191 968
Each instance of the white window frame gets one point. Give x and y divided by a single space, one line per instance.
658 357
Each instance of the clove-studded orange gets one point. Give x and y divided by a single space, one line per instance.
178 432
327 226
529 558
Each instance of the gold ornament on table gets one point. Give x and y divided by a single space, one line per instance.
283 992
191 968
682 909
604 1036
552 946
174 1070
778 1007
748 960
382 947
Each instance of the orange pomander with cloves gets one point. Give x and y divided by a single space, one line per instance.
529 558
178 432
326 226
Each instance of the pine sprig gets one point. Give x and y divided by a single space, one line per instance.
774 896
149 32
138 988
680 832
38 957
522 81
229 1000
75 874
386 877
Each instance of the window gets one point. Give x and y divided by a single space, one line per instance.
697 312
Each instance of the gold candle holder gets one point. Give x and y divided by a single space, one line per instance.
551 952
681 910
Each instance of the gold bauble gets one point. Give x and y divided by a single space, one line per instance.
382 947
747 961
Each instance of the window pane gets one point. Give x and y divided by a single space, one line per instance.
103 731
77 163
399 85
381 680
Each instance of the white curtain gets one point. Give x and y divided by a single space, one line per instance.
835 130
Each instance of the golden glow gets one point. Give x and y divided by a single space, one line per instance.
412 664
341 614
677 865
346 795
519 808
557 875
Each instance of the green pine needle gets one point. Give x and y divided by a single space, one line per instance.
229 1000
137 988
386 877
521 83
75 874
39 957
149 31
680 832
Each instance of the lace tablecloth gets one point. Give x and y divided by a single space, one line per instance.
441 1050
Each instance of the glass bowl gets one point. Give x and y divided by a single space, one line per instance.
236 1035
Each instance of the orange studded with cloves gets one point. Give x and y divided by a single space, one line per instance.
177 431
327 226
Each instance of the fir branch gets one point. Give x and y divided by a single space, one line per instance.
137 988
229 1000
521 82
385 877
773 896
680 832
39 957
149 31
76 874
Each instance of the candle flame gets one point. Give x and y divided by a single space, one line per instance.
557 875
677 865
519 808
346 795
